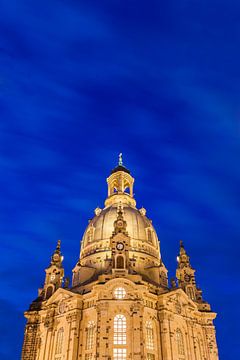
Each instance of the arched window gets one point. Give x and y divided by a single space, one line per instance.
90 235
180 344
127 187
119 337
120 327
59 342
149 236
120 262
49 291
149 336
90 335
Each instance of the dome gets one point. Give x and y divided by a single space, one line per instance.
139 227
120 239
120 168
141 253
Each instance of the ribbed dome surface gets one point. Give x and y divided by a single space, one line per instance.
137 225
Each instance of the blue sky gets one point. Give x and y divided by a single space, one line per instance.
79 83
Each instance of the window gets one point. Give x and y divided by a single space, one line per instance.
150 356
149 336
90 335
49 292
120 326
149 235
88 357
120 262
90 235
119 293
180 344
119 354
59 342
119 337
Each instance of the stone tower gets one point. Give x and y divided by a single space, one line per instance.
120 305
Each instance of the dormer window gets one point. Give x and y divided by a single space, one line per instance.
149 236
90 233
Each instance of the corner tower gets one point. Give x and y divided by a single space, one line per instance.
119 306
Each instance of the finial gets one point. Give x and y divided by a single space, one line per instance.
182 249
56 256
120 224
58 245
120 162
119 208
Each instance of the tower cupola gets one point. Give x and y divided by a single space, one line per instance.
54 272
120 185
185 275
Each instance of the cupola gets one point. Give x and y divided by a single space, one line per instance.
120 185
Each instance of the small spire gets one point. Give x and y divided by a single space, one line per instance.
54 273
120 224
120 162
58 248
185 275
182 249
56 257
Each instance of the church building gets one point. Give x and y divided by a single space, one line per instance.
120 305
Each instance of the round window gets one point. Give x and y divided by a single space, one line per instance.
119 293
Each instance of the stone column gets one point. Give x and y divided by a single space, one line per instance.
31 342
137 331
211 342
190 341
102 335
73 320
165 334
46 333
52 349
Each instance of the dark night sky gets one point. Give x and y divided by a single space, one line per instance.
157 80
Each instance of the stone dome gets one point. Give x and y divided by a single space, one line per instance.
120 239
139 227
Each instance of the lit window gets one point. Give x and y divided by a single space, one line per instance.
119 354
149 336
150 357
180 344
119 293
120 327
90 335
59 342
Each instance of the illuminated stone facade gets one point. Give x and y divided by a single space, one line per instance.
120 305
